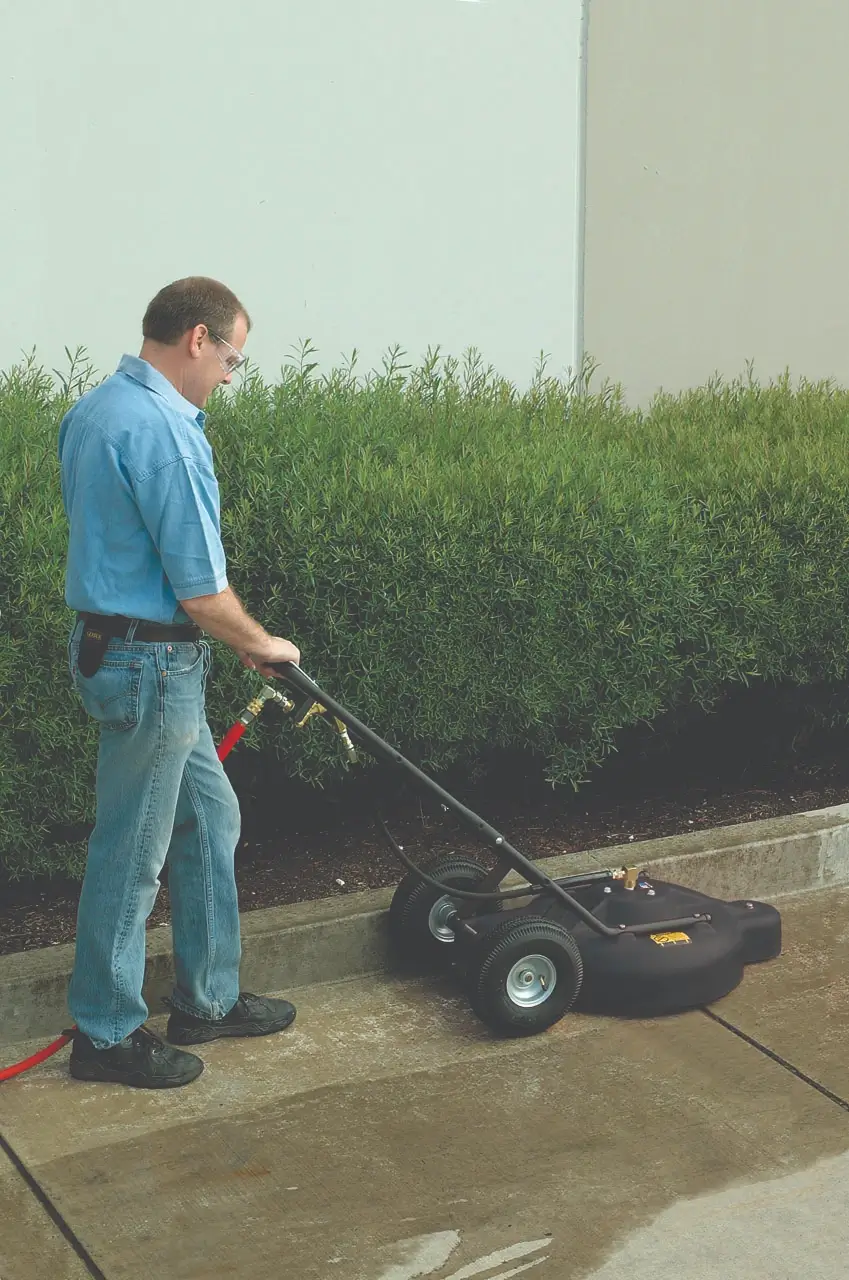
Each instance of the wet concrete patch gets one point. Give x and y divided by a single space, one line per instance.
799 1006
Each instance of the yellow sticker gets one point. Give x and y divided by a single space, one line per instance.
670 939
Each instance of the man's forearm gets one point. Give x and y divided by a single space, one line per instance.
225 619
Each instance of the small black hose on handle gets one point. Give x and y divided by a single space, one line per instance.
523 866
447 888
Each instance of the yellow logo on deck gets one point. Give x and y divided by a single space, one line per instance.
670 939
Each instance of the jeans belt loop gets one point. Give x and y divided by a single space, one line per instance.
131 630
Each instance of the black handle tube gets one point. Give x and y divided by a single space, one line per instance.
298 680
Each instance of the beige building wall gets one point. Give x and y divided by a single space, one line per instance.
717 226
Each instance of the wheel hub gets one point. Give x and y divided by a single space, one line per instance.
531 981
440 913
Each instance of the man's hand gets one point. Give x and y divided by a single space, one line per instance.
278 650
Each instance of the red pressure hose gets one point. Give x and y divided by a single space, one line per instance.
230 738
8 1072
228 742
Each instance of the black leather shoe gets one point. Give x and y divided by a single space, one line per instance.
142 1059
250 1016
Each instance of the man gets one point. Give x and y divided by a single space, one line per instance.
146 575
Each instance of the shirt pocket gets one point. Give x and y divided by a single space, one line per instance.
112 696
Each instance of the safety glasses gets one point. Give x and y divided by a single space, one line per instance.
233 359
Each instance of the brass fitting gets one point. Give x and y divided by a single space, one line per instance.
315 710
252 710
269 694
350 749
255 706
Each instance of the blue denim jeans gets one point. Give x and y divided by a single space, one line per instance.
161 794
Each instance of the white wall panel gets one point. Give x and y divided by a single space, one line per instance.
361 172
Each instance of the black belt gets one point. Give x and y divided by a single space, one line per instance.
100 628
117 625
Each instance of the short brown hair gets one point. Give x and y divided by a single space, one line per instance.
185 303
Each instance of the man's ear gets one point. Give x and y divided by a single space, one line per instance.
196 339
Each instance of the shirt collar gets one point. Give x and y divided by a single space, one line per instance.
141 371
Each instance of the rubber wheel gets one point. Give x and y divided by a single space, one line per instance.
418 912
527 975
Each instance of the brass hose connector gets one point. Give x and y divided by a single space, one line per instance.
269 694
350 749
255 706
315 710
252 710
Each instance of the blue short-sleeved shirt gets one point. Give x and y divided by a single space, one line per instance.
142 501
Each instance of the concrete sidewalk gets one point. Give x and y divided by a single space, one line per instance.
389 1136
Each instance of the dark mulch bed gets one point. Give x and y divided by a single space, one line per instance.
341 852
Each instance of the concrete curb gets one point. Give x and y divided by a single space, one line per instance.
335 938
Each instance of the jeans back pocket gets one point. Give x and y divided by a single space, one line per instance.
112 696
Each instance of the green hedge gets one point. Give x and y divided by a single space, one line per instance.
467 567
